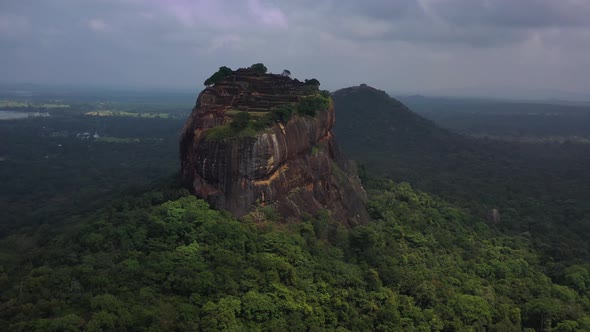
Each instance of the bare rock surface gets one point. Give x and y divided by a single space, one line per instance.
295 166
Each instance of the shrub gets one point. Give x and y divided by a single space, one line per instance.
240 121
241 126
310 105
282 113
219 133
262 123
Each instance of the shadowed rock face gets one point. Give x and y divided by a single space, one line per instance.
297 166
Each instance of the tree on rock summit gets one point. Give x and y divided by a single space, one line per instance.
259 68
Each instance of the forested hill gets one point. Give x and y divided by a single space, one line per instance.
164 261
368 117
539 188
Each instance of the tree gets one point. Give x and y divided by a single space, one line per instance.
540 313
577 277
282 113
259 68
309 106
70 322
219 75
286 73
472 310
258 307
102 321
221 316
313 82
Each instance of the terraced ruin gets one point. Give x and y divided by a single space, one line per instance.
249 91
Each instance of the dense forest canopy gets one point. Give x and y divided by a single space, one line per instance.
163 260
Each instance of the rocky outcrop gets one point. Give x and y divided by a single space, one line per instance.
296 166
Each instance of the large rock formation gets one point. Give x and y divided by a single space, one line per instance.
294 165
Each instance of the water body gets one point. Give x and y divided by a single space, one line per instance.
12 115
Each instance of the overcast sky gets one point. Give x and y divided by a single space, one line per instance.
410 46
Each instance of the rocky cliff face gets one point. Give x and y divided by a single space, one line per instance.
294 165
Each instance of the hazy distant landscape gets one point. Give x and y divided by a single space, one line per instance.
507 120
129 144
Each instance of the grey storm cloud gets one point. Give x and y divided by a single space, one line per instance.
478 23
403 45
517 14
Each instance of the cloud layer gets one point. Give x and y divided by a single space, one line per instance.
401 45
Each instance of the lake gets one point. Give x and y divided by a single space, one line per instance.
11 115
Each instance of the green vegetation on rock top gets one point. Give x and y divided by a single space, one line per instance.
310 105
245 125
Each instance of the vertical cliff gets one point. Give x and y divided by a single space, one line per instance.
239 149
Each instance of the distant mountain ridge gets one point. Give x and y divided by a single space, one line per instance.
507 93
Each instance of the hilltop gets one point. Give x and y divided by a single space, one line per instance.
370 117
